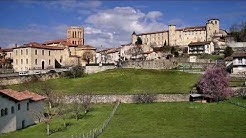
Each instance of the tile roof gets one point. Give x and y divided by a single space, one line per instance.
192 28
55 41
199 43
86 47
238 55
19 96
6 50
37 45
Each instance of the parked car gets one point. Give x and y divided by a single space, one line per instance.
23 73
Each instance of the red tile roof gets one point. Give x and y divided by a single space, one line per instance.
238 55
62 41
6 50
19 96
192 28
37 45
86 47
55 41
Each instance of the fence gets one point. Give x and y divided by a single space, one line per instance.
99 130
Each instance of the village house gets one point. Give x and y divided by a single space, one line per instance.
195 48
239 63
19 109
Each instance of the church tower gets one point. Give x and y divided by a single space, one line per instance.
75 35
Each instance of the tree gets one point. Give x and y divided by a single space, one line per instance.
228 51
238 31
135 52
214 84
139 41
88 56
47 90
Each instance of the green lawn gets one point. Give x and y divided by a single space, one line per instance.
92 120
123 81
181 119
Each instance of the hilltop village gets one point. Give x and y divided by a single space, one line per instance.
187 42
177 70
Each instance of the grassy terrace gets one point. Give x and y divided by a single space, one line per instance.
92 120
123 81
181 119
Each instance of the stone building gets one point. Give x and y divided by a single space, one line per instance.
206 47
182 36
54 54
239 62
19 109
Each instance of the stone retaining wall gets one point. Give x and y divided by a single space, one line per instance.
150 64
95 69
129 98
29 78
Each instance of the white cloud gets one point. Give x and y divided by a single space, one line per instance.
118 24
154 15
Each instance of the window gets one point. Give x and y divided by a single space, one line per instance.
21 52
21 61
26 61
26 51
215 22
36 61
27 106
49 53
240 60
16 61
36 52
49 61
42 52
6 111
2 112
19 107
12 110
16 52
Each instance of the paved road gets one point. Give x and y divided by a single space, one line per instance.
9 75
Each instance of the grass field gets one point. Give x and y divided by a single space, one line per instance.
181 119
92 120
123 81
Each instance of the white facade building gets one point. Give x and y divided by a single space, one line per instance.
201 48
18 109
239 63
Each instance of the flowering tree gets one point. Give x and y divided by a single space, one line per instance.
214 84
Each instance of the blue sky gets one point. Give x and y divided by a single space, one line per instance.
107 23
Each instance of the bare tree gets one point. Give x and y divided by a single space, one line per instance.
87 56
47 90
135 52
86 101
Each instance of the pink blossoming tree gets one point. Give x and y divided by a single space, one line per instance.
214 84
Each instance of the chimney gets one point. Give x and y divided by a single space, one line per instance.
15 45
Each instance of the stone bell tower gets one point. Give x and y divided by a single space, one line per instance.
75 35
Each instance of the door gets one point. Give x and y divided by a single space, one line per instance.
42 64
23 124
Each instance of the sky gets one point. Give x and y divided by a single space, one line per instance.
108 23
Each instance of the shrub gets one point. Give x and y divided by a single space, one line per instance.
241 92
75 72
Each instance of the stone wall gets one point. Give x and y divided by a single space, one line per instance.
129 98
23 79
95 69
150 64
